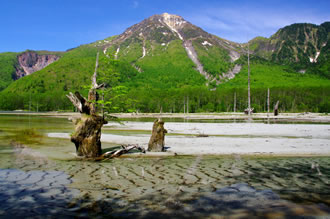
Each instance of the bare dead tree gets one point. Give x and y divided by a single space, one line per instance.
268 97
184 105
235 102
249 110
249 91
87 134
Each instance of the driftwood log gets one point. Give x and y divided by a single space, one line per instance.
276 108
157 139
116 153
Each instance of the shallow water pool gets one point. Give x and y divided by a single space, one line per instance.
41 176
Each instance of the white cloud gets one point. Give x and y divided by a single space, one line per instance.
135 4
242 24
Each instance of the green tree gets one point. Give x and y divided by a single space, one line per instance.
113 97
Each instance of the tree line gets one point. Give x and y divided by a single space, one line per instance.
192 99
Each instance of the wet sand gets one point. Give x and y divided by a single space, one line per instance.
176 187
26 194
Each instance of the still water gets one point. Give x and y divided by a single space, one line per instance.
41 177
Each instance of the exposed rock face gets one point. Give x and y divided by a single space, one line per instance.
174 22
230 74
29 62
193 56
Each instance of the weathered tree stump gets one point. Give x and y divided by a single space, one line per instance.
87 135
157 139
276 108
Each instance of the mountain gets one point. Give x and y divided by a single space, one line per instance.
164 60
304 46
16 65
156 44
166 44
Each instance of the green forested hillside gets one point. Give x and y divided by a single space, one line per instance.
160 87
215 60
297 93
7 68
46 89
304 46
153 72
167 68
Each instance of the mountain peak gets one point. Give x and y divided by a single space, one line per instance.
173 21
167 16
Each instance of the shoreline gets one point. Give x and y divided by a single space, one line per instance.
298 117
224 135
224 138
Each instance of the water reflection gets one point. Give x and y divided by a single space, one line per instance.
182 186
44 179
34 193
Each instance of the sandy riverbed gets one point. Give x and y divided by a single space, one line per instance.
226 138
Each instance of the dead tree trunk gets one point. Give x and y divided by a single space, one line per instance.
249 90
268 98
157 139
235 102
276 108
87 134
184 105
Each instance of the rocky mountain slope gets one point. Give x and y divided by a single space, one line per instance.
16 65
30 62
211 56
301 45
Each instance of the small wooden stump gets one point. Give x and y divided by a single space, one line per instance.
157 139
246 111
276 108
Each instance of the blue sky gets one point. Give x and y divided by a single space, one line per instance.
59 25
